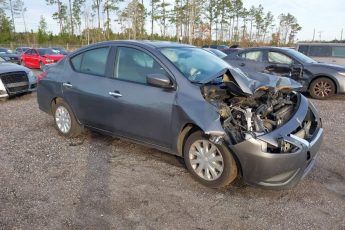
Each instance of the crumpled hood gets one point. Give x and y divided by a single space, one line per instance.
252 82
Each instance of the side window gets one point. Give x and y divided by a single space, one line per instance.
134 65
252 55
275 57
76 62
92 61
320 51
303 49
28 52
338 51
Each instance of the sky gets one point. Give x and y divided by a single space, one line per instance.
326 17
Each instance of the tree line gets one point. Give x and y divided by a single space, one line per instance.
195 22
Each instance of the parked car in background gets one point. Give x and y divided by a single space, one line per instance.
188 102
230 50
321 80
60 50
38 58
333 53
9 56
15 79
218 47
216 52
20 50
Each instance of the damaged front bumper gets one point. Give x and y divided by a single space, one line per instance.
281 169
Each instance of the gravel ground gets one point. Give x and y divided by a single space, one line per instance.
98 182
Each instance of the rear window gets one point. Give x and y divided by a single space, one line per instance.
320 51
252 55
338 51
91 61
303 49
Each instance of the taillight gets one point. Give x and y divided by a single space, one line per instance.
41 76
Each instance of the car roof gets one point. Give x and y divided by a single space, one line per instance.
152 44
267 48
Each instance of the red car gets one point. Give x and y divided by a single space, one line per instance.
37 58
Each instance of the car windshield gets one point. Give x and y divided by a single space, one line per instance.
194 63
47 51
301 57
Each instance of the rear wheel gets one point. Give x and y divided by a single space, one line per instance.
210 164
65 120
322 88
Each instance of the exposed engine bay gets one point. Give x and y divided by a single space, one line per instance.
245 116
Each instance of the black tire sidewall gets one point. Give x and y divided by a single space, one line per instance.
312 85
230 170
75 129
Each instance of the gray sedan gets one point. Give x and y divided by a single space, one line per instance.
190 103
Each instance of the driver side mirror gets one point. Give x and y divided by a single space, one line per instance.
159 80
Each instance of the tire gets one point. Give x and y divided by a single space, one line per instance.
219 178
322 88
62 112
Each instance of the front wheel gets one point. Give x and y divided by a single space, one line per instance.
210 164
322 88
65 120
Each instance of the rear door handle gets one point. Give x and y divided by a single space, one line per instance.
68 85
115 94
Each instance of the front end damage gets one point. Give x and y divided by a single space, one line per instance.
274 132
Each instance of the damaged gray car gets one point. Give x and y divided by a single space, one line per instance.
187 102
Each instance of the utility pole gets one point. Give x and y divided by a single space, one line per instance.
320 33
313 35
341 34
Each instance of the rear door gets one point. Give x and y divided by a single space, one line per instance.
249 61
86 87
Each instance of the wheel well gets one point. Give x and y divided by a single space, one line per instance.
53 103
321 76
186 131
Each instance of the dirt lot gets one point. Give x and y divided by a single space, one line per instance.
98 182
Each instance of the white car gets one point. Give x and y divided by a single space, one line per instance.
15 79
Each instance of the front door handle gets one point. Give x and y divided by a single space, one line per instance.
68 85
115 94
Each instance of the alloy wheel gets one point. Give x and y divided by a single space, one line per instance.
206 160
322 89
63 119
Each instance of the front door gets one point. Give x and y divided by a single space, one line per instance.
282 65
140 110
